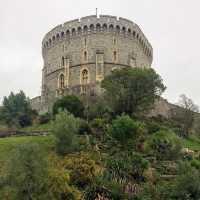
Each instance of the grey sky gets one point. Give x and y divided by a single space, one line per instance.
171 26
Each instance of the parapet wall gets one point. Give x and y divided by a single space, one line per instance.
36 103
93 24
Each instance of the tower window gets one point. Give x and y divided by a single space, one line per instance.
63 61
85 55
85 77
115 56
61 81
99 66
98 27
84 80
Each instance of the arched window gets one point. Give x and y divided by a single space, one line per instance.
85 77
91 27
84 81
61 81
124 30
67 33
105 27
85 29
79 30
58 36
53 38
73 31
49 41
129 31
111 27
118 29
98 27
134 33
62 34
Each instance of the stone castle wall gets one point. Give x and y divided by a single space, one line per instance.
91 45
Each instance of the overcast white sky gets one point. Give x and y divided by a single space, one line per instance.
172 27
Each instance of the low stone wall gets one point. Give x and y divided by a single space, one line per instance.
36 103
10 133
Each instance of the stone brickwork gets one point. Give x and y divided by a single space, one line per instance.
36 103
80 53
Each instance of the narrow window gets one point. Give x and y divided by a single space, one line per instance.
115 56
99 66
85 55
63 61
84 80
61 81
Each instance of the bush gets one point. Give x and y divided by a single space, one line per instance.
27 172
153 127
124 129
70 103
165 145
187 183
97 191
65 129
126 167
16 110
25 120
44 118
59 181
83 172
98 108
98 126
84 128
132 90
195 163
138 166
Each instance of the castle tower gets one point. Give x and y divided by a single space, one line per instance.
80 53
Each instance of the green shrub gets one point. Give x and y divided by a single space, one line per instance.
153 127
126 168
84 128
187 183
124 129
71 103
99 126
165 145
138 166
65 129
195 163
83 172
24 120
98 108
95 191
16 110
28 172
44 118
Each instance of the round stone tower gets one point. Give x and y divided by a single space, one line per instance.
80 53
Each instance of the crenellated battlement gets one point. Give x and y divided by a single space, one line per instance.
97 24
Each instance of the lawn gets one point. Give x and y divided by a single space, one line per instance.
7 145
